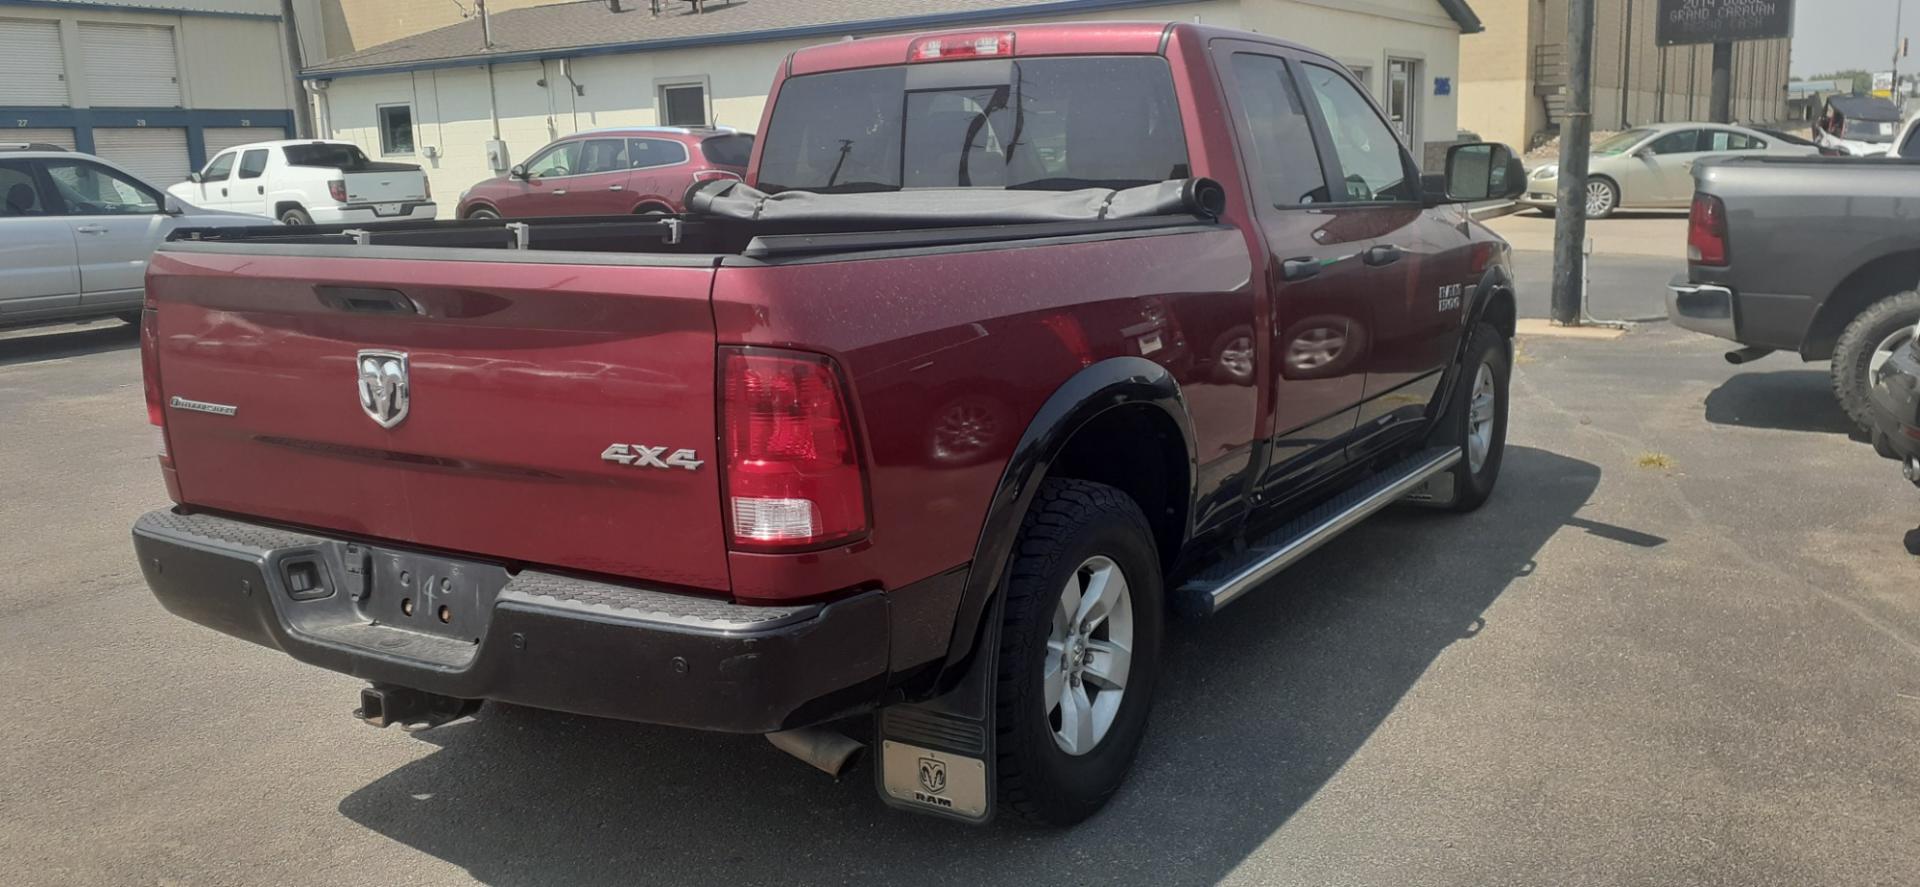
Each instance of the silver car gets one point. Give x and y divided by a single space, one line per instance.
1652 167
76 232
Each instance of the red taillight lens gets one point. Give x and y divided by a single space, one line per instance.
960 46
793 471
716 175
150 374
337 189
1707 231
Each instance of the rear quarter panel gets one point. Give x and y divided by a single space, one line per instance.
951 354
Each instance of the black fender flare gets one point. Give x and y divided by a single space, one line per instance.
1498 279
1106 385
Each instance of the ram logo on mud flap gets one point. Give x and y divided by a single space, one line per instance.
643 456
1450 296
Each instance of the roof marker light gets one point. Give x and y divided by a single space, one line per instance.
960 46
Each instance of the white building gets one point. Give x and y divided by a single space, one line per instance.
154 85
436 98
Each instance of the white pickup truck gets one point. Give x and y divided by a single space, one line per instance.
309 182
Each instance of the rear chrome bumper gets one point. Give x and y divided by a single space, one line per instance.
537 639
1703 308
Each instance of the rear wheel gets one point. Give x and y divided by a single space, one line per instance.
1079 651
1865 345
295 217
653 209
1476 417
482 213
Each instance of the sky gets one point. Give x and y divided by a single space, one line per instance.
1831 35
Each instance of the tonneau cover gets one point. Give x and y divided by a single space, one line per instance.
957 206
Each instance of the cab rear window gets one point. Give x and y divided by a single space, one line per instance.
346 158
1039 123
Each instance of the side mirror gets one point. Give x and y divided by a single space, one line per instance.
519 171
1644 154
172 206
195 178
1480 171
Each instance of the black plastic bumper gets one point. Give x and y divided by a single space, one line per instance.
1895 394
471 630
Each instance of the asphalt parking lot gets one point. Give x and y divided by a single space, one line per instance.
1681 646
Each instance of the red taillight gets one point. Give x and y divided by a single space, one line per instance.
960 46
1707 231
337 189
716 175
150 374
793 471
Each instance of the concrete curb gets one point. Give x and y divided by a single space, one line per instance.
1546 328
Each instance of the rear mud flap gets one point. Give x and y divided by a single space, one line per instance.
937 757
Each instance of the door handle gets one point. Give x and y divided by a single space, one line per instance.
1299 269
618 188
560 192
260 190
91 229
223 192
1385 254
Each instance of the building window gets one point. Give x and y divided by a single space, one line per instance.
396 129
683 104
1403 98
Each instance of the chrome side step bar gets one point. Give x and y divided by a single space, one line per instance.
1212 589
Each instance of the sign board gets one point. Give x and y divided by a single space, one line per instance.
1883 83
1723 21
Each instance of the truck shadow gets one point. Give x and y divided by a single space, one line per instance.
29 344
1258 709
1782 400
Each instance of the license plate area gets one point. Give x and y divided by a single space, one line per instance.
389 209
428 594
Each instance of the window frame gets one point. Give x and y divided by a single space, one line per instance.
380 127
1323 136
45 166
51 204
662 84
240 167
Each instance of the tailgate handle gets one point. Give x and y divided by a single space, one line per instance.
366 300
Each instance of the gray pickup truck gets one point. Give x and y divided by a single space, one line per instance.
1813 255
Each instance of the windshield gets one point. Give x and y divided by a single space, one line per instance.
1620 143
346 158
1048 123
1869 130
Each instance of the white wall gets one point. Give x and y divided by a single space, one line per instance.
225 62
451 105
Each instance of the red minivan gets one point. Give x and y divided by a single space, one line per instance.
639 169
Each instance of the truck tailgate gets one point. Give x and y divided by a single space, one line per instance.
520 378
386 186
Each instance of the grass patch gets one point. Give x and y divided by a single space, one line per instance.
1660 461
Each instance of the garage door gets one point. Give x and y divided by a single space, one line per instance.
58 137
221 139
157 155
145 72
33 70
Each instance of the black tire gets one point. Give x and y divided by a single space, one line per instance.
653 209
482 214
1071 523
296 217
1613 204
1472 486
1853 352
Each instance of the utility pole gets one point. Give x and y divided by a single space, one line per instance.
1899 43
1720 108
296 59
1576 144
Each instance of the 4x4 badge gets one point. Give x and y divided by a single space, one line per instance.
384 394
643 456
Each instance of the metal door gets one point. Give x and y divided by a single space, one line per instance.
157 155
116 223
145 69
217 139
59 138
33 67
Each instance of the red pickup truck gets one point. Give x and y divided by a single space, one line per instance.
1011 343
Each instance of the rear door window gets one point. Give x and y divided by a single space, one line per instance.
603 155
1374 168
253 163
1038 123
19 190
1279 133
1686 141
